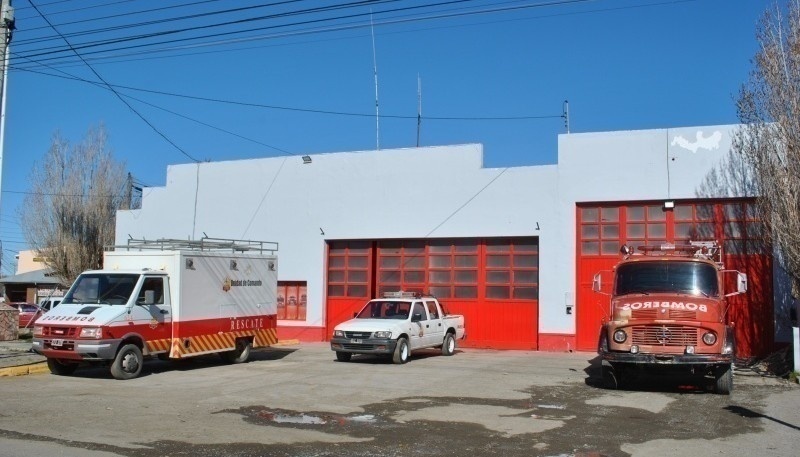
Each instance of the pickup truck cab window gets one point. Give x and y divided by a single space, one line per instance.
419 313
432 311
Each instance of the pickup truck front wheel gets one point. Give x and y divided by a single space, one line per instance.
401 351
449 346
343 356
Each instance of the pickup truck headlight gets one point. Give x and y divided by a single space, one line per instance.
91 332
338 333
38 330
382 334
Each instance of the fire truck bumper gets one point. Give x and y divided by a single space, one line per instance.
364 346
667 359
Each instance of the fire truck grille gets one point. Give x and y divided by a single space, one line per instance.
650 314
664 335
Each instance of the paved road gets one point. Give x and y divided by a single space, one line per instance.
298 401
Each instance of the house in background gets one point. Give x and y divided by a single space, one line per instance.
33 282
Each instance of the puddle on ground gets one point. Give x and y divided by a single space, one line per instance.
283 417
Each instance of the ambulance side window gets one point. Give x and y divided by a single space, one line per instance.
157 286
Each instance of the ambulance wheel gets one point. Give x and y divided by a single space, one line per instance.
401 351
61 368
128 363
723 379
238 355
343 356
449 346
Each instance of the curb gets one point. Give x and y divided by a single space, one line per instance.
22 370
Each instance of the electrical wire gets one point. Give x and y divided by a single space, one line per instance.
153 127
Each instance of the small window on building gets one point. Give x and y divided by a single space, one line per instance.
292 300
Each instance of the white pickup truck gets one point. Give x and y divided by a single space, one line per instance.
396 325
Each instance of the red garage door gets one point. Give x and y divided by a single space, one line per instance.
493 282
603 228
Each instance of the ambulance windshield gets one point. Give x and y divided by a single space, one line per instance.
97 288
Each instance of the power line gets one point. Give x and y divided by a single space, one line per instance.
117 94
304 110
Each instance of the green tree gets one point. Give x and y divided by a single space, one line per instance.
69 214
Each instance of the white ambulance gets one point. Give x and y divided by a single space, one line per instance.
165 298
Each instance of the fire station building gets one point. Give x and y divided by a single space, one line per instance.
512 249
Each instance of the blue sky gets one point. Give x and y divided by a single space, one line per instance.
622 64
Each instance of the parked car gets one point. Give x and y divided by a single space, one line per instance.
49 303
28 312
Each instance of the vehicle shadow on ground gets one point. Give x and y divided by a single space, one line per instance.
380 359
659 381
154 366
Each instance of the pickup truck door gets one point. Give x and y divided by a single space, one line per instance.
417 327
434 329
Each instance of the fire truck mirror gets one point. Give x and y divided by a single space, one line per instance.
597 283
741 282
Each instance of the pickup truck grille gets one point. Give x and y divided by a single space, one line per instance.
358 335
664 335
359 347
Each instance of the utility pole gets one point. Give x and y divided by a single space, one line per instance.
6 31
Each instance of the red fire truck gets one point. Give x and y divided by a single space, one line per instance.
669 308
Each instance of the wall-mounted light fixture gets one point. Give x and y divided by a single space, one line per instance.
669 204
306 159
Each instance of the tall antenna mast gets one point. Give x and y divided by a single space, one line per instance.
419 106
375 72
565 115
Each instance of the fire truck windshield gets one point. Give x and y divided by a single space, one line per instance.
694 278
112 289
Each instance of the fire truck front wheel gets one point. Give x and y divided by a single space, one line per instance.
128 363
723 379
240 354
61 368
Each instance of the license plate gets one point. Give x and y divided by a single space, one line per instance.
354 341
57 343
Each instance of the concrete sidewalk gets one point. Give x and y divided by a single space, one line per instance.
16 358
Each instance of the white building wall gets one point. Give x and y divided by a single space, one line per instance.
432 192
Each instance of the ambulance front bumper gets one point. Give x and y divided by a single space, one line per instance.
72 349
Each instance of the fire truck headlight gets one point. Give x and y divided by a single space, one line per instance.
690 350
620 336
91 332
634 349
38 330
710 338
338 333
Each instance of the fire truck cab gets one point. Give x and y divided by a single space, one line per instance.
669 308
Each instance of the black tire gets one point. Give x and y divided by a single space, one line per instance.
343 356
723 379
401 352
449 345
61 368
610 380
238 355
128 363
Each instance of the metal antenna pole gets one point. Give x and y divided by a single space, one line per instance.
419 106
375 72
565 115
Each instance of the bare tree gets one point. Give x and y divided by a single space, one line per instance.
69 214
769 141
